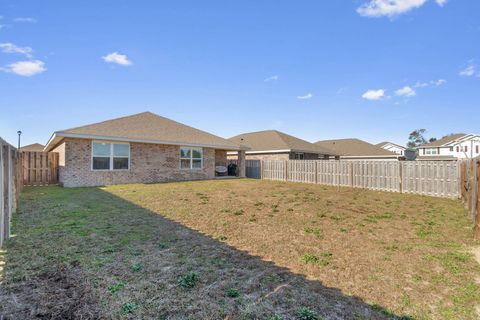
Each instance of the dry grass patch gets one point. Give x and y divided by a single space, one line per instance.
247 249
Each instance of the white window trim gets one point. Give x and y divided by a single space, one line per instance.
111 156
191 158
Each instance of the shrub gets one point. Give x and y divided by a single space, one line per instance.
189 280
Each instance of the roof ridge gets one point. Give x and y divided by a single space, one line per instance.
110 120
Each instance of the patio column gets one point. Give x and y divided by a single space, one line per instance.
242 164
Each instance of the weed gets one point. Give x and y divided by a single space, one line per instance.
275 208
163 245
116 287
238 212
305 313
221 237
454 262
188 280
323 260
252 218
276 317
129 307
405 300
225 210
316 231
233 293
258 204
136 267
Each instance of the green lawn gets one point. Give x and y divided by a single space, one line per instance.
238 249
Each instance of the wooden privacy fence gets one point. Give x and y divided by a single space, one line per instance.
470 190
10 187
435 178
39 168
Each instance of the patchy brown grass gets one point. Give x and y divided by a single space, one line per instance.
244 249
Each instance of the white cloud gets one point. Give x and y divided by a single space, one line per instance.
11 48
405 92
374 94
389 8
25 19
117 58
26 68
272 78
468 71
431 83
441 3
305 97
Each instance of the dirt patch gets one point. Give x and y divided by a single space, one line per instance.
59 294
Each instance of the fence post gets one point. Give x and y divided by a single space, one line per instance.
400 175
316 172
2 194
351 174
286 170
477 197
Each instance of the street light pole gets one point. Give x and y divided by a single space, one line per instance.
19 134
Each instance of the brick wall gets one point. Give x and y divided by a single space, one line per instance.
148 163
221 158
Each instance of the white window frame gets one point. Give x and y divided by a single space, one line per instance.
432 151
191 158
111 156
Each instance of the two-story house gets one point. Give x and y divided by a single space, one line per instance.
453 147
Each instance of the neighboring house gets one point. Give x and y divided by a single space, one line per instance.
356 149
393 147
140 148
453 147
276 145
32 147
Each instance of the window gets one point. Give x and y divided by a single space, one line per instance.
477 149
110 156
191 158
432 151
458 149
299 156
465 148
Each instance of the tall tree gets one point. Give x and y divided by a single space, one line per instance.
416 138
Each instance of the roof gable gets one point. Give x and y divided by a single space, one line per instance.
150 128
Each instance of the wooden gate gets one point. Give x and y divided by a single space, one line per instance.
39 168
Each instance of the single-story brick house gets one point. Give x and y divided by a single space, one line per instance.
141 148
276 145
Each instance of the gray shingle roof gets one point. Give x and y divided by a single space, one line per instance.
149 127
441 142
273 140
354 147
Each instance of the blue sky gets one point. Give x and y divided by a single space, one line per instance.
372 69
